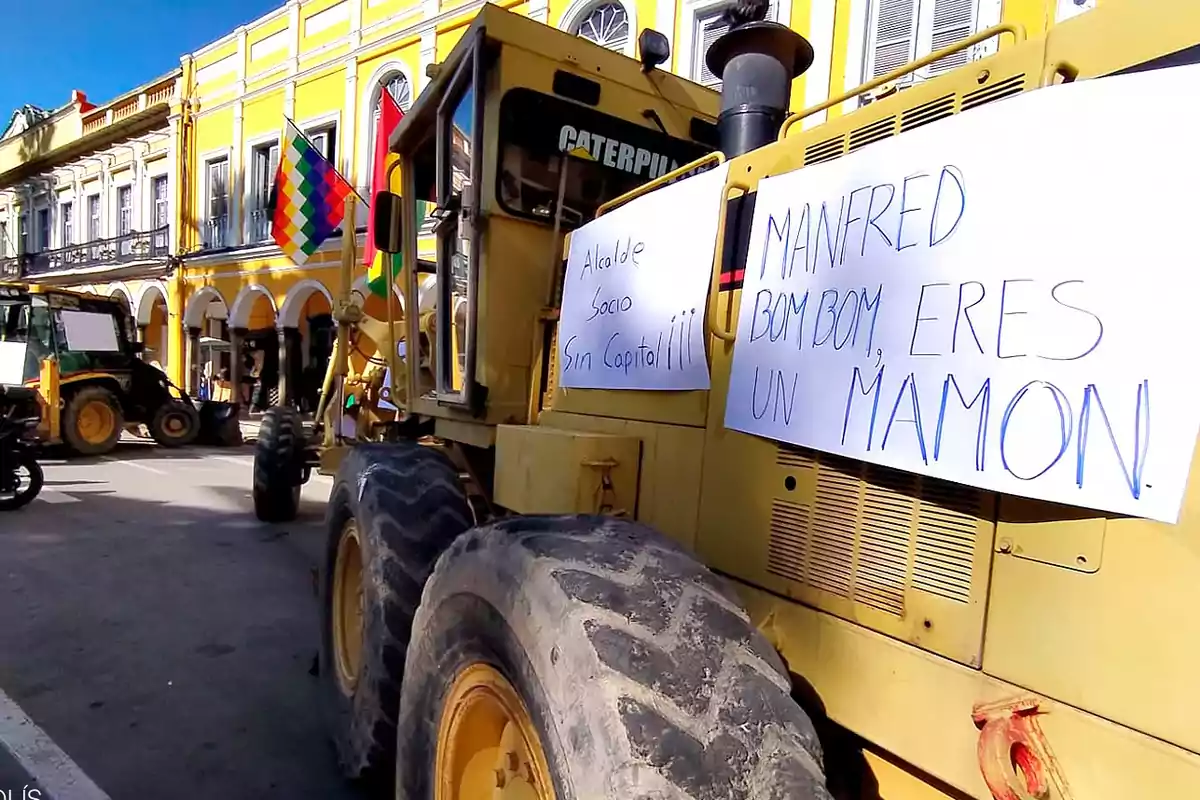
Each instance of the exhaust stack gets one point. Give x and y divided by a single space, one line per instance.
757 62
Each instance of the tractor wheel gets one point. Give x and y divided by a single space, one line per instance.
393 510
581 658
278 465
92 421
175 424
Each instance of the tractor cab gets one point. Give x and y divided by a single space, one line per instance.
84 333
80 353
524 132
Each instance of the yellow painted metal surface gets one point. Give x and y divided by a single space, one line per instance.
669 482
487 743
918 706
544 470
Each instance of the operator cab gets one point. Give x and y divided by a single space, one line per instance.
521 136
85 334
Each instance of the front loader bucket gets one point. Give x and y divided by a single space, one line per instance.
219 424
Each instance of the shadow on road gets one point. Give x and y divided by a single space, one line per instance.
164 639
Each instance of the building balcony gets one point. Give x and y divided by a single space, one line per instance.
214 233
119 250
258 226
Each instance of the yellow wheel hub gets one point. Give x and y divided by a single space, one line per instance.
348 608
488 747
96 422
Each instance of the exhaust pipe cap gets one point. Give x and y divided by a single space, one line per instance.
783 44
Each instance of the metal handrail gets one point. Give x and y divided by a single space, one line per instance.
1016 31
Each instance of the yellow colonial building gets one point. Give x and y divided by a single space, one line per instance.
161 196
88 199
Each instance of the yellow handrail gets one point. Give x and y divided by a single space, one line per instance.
716 329
1017 32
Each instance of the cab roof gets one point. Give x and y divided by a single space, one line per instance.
571 52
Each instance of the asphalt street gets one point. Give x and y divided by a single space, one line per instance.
160 635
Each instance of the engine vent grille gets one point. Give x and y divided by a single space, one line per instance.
915 117
870 534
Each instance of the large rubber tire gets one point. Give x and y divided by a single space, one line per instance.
408 506
175 424
638 666
36 478
71 420
278 465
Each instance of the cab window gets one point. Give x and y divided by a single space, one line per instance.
606 157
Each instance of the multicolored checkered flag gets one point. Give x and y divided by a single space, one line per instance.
310 196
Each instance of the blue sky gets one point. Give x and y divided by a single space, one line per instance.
104 48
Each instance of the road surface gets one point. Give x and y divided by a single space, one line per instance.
160 635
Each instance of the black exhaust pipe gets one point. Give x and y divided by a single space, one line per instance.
757 62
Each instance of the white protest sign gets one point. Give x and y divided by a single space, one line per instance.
636 289
88 331
969 302
12 363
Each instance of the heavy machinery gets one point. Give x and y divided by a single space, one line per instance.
79 352
520 596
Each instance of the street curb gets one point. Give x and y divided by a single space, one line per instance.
51 768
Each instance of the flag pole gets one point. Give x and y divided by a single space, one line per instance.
345 317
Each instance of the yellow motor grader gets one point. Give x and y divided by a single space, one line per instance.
544 592
79 352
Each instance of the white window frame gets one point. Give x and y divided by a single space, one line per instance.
206 161
43 237
249 199
3 238
366 126
862 52
693 12
579 10
66 232
153 180
97 233
117 206
315 126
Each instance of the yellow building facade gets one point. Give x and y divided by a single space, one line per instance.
324 63
88 199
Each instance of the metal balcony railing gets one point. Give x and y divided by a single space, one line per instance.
258 226
135 246
10 268
215 233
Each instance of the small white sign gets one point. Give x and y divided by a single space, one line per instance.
636 290
90 332
964 302
12 363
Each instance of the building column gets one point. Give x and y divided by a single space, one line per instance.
428 56
193 361
237 181
236 337
173 150
287 367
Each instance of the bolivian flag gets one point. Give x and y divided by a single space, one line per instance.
379 272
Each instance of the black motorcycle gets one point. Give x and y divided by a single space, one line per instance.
21 476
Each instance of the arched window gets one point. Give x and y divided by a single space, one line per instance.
397 85
607 24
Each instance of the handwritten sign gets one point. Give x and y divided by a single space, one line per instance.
636 290
968 302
